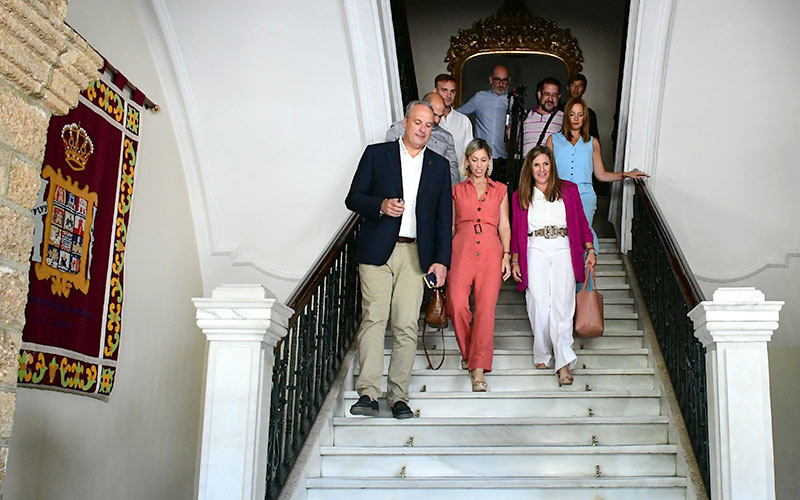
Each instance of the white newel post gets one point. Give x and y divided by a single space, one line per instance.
242 323
735 328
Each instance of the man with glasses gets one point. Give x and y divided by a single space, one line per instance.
489 108
441 141
545 119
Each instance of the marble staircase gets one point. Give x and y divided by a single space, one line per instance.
604 437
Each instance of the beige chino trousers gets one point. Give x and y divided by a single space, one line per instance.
391 291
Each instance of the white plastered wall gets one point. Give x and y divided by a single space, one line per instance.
727 173
142 443
269 130
598 27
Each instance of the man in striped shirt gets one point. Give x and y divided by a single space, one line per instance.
545 119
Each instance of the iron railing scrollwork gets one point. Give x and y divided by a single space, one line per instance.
670 291
327 313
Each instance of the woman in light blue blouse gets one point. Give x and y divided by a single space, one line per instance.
578 156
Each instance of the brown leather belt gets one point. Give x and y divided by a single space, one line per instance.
403 239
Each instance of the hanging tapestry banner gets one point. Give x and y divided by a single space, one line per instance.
74 314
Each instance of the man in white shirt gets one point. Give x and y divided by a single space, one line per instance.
440 142
454 122
402 190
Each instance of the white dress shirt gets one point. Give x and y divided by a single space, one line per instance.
461 128
546 213
411 168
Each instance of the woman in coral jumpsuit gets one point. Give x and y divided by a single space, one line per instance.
480 260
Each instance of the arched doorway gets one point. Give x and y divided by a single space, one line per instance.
536 47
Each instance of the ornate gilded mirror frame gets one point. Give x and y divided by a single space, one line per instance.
512 30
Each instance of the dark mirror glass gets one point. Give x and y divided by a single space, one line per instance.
524 69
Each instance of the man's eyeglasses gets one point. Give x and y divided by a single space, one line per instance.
499 80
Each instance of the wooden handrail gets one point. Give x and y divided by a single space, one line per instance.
313 278
680 268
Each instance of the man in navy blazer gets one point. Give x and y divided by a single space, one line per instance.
402 191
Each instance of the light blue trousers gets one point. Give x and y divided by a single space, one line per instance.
589 202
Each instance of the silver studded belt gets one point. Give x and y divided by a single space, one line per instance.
550 232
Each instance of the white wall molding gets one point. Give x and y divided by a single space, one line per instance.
188 129
652 24
374 65
193 148
735 328
710 275
615 204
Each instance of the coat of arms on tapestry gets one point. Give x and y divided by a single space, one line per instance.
74 313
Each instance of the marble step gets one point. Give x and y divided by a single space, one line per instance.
606 277
498 488
516 358
608 290
610 311
487 461
618 403
610 339
609 265
523 324
515 297
604 379
573 431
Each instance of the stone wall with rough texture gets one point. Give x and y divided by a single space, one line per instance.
44 65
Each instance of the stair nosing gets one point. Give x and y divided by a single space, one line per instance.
501 482
534 372
505 421
625 351
637 393
638 449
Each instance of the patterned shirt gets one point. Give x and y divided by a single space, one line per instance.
490 119
534 124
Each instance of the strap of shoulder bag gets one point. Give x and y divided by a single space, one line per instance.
425 347
546 125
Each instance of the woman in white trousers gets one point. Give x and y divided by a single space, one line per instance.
549 238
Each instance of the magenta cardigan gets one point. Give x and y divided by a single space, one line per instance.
577 230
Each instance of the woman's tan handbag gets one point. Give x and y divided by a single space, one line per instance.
436 317
589 309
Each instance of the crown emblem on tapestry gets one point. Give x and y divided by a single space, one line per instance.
77 146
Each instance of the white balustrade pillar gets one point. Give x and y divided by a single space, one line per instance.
242 323
735 328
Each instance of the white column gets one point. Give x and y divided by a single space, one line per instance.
242 323
735 328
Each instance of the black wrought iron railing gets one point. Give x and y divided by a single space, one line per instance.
670 291
326 305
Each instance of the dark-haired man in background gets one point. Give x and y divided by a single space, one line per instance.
577 87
